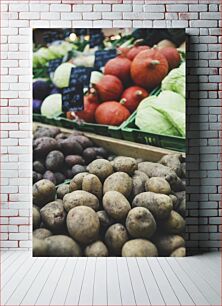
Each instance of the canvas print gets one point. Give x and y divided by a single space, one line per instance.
109 142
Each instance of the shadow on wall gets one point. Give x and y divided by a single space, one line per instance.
193 150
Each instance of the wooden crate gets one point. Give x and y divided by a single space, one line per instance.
123 147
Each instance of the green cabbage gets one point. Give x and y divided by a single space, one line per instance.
175 80
62 75
163 114
52 106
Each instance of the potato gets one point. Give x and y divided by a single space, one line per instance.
67 173
180 252
84 141
119 181
62 246
125 164
49 175
138 186
42 146
54 160
139 248
38 166
92 184
173 161
104 219
101 168
158 185
89 154
53 216
167 243
141 175
77 180
115 237
41 233
160 205
36 218
43 192
80 198
83 224
36 177
60 178
61 136
72 160
70 146
116 205
78 169
46 132
101 152
174 224
39 247
62 190
96 249
140 223
159 170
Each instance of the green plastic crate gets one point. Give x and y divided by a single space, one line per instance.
131 132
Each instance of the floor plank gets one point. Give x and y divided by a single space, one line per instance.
126 289
180 292
113 285
13 270
47 292
141 296
100 283
39 282
16 297
151 285
208 292
74 290
10 261
190 286
86 294
5 255
63 285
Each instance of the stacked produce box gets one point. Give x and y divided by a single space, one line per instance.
90 198
119 78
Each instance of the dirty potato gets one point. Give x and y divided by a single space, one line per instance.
125 164
80 198
43 192
96 249
102 168
158 185
116 205
62 246
92 184
53 216
139 248
115 237
119 181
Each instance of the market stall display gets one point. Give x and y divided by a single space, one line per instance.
111 205
108 142
119 71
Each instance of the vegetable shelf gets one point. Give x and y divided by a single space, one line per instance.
130 132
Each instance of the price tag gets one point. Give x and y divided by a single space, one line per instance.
103 56
80 74
96 40
53 64
72 98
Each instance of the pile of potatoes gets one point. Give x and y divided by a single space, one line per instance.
119 207
58 156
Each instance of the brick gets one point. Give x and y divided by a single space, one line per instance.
18 7
122 23
132 15
203 23
18 236
60 23
122 7
39 7
71 16
60 8
82 24
112 15
50 16
102 23
177 8
154 8
92 15
29 15
82 7
102 7
198 7
209 15
137 8
9 244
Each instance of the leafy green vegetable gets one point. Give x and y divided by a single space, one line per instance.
52 106
163 114
62 75
175 80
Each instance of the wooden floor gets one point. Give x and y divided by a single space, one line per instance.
110 281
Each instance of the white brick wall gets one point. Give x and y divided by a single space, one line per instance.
203 113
